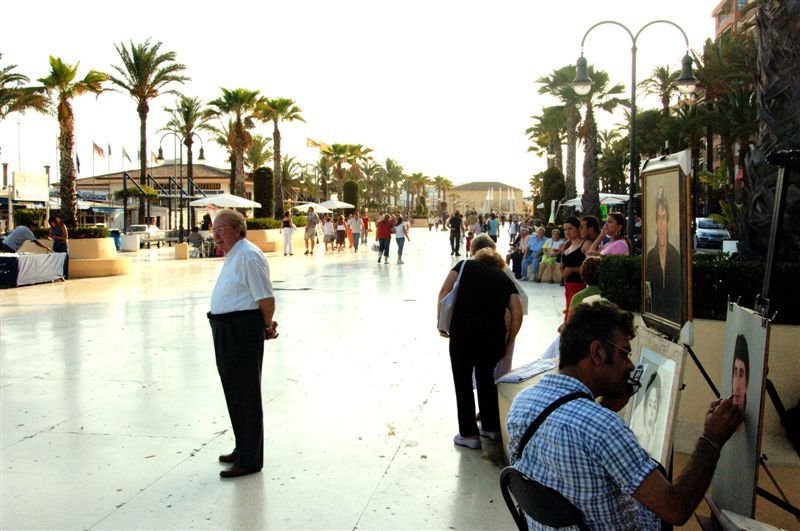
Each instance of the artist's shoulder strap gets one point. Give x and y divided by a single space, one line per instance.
543 415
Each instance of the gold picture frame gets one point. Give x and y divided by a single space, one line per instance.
666 245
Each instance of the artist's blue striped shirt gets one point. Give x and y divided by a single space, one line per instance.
585 452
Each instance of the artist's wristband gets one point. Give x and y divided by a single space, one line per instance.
712 443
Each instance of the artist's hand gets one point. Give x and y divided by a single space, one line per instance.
722 419
271 332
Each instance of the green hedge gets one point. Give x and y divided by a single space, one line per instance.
88 232
715 279
270 223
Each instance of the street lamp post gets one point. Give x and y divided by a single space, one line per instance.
160 158
582 85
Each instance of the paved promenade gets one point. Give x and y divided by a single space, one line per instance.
113 415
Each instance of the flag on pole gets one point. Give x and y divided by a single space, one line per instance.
125 154
153 158
311 143
109 151
77 162
98 151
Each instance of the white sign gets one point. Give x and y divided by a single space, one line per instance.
30 186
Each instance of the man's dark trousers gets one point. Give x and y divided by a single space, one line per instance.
239 347
455 240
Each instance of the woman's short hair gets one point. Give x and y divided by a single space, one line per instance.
590 270
234 219
572 220
483 249
481 241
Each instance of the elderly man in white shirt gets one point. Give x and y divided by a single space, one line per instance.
242 307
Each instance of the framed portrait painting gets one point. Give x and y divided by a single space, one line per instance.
666 245
651 415
744 362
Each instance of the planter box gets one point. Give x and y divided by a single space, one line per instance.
266 240
90 257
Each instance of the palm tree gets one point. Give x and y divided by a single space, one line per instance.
418 183
392 172
603 97
258 154
61 86
276 110
778 108
613 160
547 134
371 173
16 98
662 83
144 74
239 106
558 84
187 119
292 172
446 187
223 136
357 155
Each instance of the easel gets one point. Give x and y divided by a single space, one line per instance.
782 159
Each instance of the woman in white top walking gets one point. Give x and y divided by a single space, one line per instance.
400 235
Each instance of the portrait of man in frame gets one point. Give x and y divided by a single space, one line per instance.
666 271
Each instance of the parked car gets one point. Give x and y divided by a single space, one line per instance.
709 233
148 234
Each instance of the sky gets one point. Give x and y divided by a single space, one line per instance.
442 87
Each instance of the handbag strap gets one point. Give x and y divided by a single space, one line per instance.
458 279
543 415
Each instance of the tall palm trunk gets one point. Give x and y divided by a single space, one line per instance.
778 98
573 118
67 188
591 191
143 109
276 143
189 174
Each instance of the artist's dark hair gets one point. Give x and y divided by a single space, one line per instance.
662 202
592 223
591 322
741 352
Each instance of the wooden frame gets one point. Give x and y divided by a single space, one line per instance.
653 410
666 269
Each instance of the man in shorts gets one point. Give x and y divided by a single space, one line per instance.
312 219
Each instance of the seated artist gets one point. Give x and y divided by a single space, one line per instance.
586 452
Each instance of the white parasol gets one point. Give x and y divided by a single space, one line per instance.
335 203
225 200
317 208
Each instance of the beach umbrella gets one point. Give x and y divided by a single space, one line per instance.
225 201
335 203
319 209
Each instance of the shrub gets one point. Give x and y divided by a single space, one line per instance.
22 216
716 278
263 188
350 193
263 223
148 192
88 232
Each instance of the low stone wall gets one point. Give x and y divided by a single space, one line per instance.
89 257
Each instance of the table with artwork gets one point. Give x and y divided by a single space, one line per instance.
25 269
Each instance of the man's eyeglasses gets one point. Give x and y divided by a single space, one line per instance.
220 230
628 352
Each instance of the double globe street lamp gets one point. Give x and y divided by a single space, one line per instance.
177 139
582 85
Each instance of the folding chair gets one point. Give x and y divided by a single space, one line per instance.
541 503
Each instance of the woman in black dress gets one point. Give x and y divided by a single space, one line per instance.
478 337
